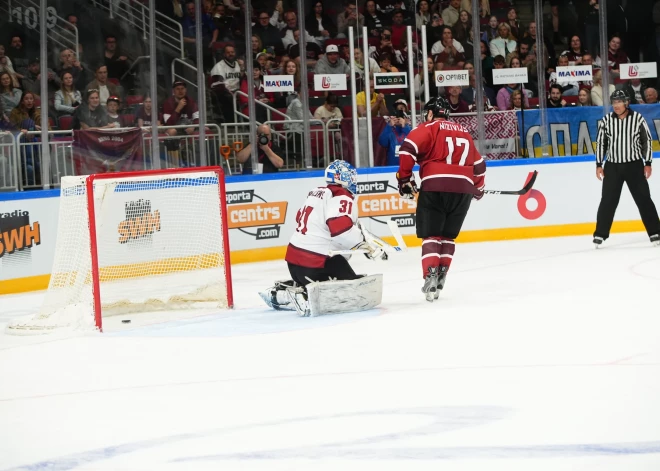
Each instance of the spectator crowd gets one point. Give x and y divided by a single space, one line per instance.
102 93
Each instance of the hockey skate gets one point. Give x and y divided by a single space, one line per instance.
278 296
430 287
275 299
598 242
655 239
442 278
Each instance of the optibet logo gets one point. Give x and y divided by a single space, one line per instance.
140 221
243 212
450 77
541 203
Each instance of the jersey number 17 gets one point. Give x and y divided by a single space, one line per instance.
451 147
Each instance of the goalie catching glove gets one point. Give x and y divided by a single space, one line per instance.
407 186
371 252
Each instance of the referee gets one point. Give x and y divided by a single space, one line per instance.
625 138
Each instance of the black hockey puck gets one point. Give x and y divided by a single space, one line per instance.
125 321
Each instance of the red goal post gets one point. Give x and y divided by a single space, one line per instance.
137 241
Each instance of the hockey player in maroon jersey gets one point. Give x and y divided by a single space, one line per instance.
452 172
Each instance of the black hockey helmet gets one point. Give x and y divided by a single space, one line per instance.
619 95
439 106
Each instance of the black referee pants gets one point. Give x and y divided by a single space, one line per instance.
632 174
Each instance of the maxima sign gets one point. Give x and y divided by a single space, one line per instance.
278 83
575 73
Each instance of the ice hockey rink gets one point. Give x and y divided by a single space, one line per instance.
540 355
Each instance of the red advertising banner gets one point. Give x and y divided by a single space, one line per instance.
104 150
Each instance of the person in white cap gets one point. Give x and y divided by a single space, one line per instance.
331 63
402 105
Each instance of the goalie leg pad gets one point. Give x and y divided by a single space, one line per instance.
342 296
298 301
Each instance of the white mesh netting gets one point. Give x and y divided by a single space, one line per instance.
160 246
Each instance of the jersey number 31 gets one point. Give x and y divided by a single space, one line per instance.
303 215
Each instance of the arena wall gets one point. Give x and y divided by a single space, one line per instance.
262 213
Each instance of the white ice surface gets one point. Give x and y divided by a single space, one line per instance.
540 355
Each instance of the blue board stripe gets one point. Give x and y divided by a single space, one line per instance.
24 195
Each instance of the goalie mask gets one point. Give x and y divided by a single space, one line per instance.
342 173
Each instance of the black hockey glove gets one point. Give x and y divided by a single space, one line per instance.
407 186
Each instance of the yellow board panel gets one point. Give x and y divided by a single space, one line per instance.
482 235
33 283
22 285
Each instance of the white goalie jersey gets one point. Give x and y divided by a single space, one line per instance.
325 222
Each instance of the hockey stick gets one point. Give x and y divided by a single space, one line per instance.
521 192
394 228
377 241
388 250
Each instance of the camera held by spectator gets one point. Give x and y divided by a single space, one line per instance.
400 118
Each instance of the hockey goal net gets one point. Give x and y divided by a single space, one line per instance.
136 242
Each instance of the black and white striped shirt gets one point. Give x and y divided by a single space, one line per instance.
623 140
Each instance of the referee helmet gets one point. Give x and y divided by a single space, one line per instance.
619 95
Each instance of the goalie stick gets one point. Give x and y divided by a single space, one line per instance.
396 232
521 192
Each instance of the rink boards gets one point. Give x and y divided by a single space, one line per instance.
262 209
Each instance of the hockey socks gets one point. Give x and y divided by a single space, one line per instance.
437 252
